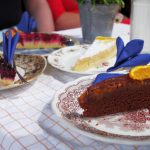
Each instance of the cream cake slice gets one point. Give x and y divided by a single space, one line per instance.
102 49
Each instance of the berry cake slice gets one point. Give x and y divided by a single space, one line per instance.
7 66
35 40
7 72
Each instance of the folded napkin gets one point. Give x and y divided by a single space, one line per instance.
103 76
27 24
9 46
129 55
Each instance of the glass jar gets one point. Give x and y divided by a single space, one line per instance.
140 22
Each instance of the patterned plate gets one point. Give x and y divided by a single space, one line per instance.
65 58
30 67
126 128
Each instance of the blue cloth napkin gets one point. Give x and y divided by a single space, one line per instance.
129 55
27 24
9 46
103 76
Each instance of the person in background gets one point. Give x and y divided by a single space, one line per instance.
40 10
123 16
12 10
65 13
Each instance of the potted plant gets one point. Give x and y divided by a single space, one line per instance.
97 17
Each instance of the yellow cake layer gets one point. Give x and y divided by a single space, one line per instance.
6 81
37 46
94 61
86 63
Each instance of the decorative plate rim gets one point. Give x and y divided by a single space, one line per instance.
17 84
102 136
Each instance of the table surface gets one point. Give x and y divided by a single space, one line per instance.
28 122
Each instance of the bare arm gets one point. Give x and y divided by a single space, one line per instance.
40 10
67 20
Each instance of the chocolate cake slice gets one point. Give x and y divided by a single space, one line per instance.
115 95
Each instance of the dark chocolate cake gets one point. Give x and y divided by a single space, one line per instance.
115 95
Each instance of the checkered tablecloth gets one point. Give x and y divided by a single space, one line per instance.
27 121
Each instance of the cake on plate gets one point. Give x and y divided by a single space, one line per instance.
102 49
7 72
7 65
35 40
119 94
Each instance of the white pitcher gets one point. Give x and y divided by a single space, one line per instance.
140 22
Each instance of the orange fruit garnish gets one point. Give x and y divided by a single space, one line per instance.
13 32
140 72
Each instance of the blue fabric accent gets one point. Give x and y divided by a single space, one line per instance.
27 24
9 46
103 76
129 55
141 59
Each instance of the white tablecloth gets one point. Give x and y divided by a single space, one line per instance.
122 30
28 122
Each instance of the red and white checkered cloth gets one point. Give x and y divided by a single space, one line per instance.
27 121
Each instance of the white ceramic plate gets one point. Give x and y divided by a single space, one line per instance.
29 67
65 58
126 128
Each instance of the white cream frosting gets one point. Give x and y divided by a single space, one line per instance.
99 46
